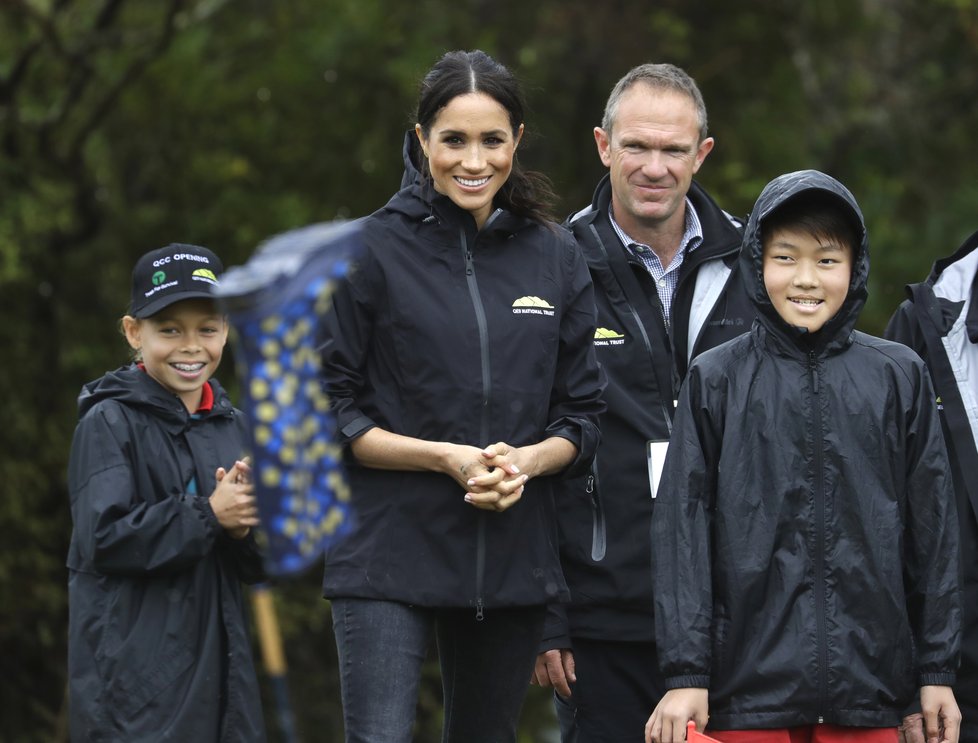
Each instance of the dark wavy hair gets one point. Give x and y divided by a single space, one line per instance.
526 193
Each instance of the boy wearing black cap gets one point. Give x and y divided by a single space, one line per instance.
805 534
162 506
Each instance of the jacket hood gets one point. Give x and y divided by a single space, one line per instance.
775 194
955 279
412 169
132 386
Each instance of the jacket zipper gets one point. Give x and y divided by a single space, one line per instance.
599 534
819 544
480 316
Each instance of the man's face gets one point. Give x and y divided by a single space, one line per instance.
653 151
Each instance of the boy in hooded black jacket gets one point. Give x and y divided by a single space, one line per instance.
805 534
162 506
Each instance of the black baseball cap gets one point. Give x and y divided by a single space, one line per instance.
172 274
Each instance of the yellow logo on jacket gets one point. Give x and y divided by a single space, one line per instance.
607 337
533 306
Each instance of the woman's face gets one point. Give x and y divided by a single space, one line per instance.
470 150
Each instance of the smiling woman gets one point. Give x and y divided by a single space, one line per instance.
451 399
479 96
470 149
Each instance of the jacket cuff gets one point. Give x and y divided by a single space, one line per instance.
356 427
203 506
584 436
556 632
688 682
937 679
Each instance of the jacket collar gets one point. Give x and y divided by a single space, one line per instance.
721 231
136 388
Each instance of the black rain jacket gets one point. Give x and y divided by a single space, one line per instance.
448 333
940 322
158 646
605 516
805 536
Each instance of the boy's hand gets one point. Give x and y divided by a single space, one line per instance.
911 730
233 500
942 718
668 721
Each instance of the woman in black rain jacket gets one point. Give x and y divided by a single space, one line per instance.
459 361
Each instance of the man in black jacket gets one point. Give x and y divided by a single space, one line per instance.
662 256
939 320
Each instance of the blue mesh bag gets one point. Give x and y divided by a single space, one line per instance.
274 303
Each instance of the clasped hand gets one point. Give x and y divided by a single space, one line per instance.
233 500
492 477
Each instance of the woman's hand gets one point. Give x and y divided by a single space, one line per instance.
492 478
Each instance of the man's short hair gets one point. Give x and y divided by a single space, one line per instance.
662 76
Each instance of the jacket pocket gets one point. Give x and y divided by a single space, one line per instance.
148 642
133 688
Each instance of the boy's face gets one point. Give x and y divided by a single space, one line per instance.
806 277
181 346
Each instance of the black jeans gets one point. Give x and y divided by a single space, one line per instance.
485 667
618 685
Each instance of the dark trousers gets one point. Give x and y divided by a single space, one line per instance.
485 665
618 685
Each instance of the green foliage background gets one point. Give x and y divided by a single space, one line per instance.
128 124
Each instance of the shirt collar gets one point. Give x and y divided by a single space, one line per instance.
692 232
206 399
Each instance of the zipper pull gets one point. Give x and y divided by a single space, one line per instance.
479 613
814 367
589 484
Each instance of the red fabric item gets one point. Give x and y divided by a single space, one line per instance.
808 734
206 398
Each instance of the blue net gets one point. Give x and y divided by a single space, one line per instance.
274 303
